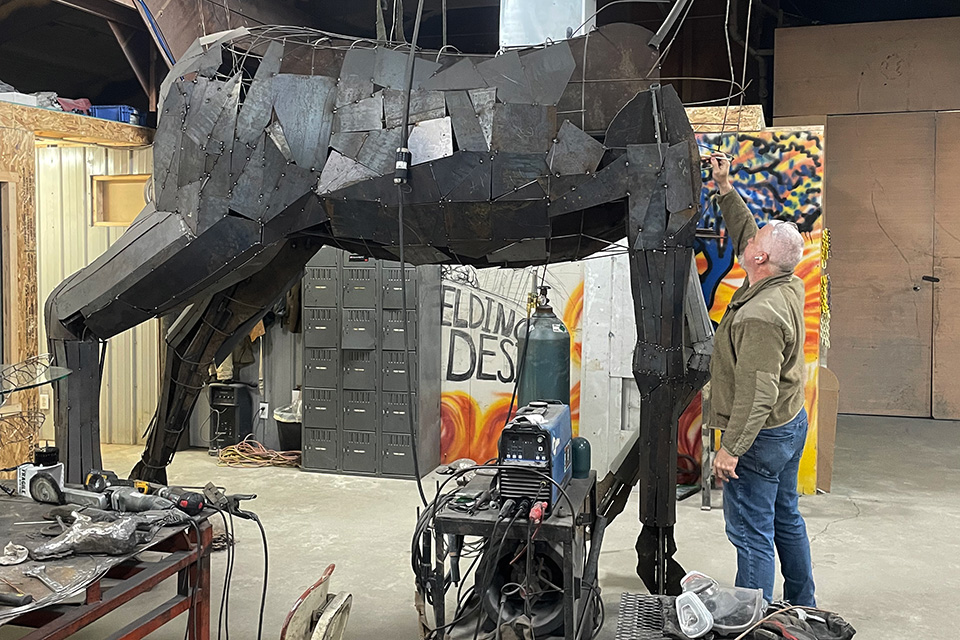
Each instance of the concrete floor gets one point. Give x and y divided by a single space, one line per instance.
885 544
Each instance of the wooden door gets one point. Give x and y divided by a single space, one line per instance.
879 204
946 292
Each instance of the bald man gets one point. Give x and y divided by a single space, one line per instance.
756 398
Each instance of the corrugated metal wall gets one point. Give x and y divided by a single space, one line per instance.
68 241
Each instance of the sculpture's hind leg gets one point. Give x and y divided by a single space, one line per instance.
203 335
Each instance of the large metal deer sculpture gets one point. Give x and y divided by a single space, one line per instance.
274 142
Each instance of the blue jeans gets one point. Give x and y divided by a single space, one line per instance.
761 513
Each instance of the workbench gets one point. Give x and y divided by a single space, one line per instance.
569 531
87 596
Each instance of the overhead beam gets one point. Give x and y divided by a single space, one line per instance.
124 35
119 11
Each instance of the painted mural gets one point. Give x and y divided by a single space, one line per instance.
780 176
483 315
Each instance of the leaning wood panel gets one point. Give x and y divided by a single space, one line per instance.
909 65
946 255
879 196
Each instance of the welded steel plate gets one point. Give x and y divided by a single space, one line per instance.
424 105
574 151
466 126
430 140
468 222
275 133
258 103
519 220
523 251
420 254
677 173
475 187
522 128
460 75
206 111
348 143
484 101
340 172
390 66
365 115
304 105
223 134
513 172
610 183
450 172
379 150
247 196
548 71
559 186
357 220
506 74
353 88
359 61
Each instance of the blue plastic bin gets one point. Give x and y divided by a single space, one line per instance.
120 113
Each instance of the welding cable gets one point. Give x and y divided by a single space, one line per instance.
226 575
404 133
226 613
434 506
489 568
266 566
509 507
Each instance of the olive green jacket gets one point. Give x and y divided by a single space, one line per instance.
757 369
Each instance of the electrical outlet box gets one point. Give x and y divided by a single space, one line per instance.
44 402
264 411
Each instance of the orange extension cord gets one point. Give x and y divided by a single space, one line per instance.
250 453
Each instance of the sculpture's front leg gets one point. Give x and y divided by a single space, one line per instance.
665 186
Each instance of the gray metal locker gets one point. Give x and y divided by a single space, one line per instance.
321 327
397 455
394 329
320 449
355 369
392 293
360 410
321 408
321 367
395 371
359 329
360 369
321 287
359 452
360 290
394 408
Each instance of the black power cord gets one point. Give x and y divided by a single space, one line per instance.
266 566
192 616
402 172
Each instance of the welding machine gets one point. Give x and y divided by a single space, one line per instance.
538 438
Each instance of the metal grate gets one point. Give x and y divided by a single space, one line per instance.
640 618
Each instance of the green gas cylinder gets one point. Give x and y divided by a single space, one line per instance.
545 353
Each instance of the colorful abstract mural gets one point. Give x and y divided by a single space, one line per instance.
780 176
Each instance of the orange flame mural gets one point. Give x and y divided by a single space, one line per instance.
470 431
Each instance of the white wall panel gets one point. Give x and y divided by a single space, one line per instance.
66 242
